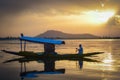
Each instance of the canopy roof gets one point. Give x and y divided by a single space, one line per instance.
41 40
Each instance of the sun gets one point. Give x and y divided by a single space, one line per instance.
99 17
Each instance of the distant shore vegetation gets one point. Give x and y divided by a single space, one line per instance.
9 38
17 38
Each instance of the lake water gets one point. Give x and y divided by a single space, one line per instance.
108 67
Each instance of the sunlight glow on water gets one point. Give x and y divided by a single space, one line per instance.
108 62
108 59
107 69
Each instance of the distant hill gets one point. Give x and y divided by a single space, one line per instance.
59 34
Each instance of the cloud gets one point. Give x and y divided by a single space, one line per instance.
11 7
14 12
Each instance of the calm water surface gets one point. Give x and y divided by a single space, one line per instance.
108 67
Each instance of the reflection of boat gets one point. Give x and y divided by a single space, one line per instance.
49 66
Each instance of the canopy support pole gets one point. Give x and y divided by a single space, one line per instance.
21 44
24 45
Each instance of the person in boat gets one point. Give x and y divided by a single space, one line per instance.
49 48
80 50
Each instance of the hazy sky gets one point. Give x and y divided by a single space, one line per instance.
32 17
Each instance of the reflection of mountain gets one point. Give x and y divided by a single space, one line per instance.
58 34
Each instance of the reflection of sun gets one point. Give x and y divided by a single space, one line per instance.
108 62
108 59
100 16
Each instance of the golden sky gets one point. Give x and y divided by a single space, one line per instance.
32 17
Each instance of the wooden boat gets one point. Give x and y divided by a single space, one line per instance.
52 56
49 50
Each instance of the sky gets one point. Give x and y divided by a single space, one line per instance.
33 17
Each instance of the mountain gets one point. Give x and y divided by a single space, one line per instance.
59 34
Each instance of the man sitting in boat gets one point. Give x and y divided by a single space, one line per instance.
49 48
80 50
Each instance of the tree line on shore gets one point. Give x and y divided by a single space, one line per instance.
17 38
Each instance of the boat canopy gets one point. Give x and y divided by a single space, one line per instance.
41 40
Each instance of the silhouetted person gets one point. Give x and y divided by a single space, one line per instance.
49 48
80 50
